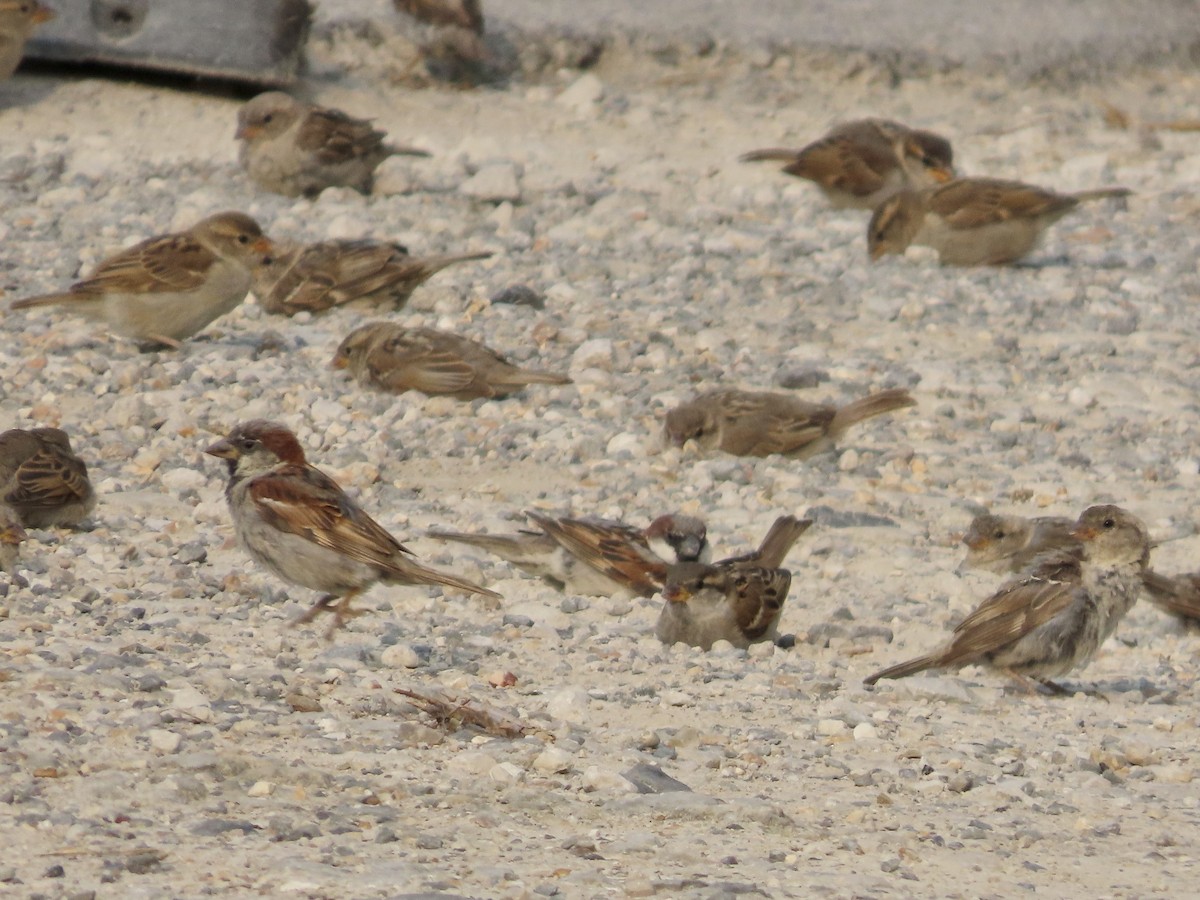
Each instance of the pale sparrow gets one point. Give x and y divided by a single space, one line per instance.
296 521
317 277
11 536
861 163
392 358
18 18
166 289
1009 544
42 479
759 423
293 148
1055 616
594 556
973 221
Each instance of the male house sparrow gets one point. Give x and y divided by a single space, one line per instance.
293 148
594 556
167 288
739 599
1053 618
11 536
296 521
41 478
393 358
759 423
861 163
973 221
1009 544
18 18
318 277
466 14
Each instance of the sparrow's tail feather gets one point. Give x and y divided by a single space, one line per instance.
782 154
779 540
874 405
1178 596
43 300
437 263
397 150
537 376
1101 194
901 670
520 548
415 573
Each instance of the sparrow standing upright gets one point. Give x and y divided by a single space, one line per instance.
294 519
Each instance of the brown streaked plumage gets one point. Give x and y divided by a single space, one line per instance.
759 423
859 164
739 603
41 478
973 221
397 359
11 536
1054 617
466 14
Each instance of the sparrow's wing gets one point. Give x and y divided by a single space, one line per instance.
415 361
334 137
48 480
173 262
618 551
973 203
756 595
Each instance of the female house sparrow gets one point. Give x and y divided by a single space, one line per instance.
597 557
41 478
397 359
754 423
11 536
739 599
18 18
1054 618
461 13
296 521
318 277
973 221
861 163
1009 544
166 289
293 148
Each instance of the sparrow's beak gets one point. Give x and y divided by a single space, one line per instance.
676 593
1083 533
339 361
246 132
975 543
222 449
264 246
43 14
690 547
12 534
941 175
877 252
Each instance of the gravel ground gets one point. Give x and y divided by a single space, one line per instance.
165 734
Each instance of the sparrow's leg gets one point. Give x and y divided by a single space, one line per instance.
157 342
341 612
1029 685
322 605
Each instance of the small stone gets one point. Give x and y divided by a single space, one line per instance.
650 779
261 789
401 656
960 783
55 871
606 781
553 761
848 461
569 704
428 842
493 183
584 93
865 731
506 773
520 295
164 741
596 353
830 727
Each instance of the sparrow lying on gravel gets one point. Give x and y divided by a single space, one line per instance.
738 599
42 479
461 13
166 289
397 359
755 423
973 221
1055 616
861 163
597 557
11 536
318 277
296 521
293 148
18 18
1009 544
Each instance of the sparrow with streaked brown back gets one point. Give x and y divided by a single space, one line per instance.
392 358
859 164
759 423
973 221
299 149
41 478
594 556
318 277
166 289
466 14
297 522
18 19
1009 544
1054 617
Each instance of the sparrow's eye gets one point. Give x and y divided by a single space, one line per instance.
1109 523
268 117
243 239
999 535
247 443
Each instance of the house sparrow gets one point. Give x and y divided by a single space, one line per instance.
1178 595
861 163
296 521
293 148
973 221
166 289
397 359
18 18
42 479
460 13
1054 617
317 277
1009 544
752 423
736 603
595 556
11 536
